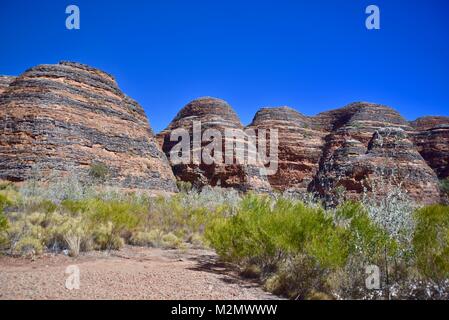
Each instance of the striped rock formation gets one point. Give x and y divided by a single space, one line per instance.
347 149
368 143
63 118
300 147
216 114
431 136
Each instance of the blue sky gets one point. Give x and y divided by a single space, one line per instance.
310 55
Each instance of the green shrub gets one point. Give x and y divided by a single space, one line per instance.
3 222
74 232
4 202
170 241
184 186
294 245
444 186
4 225
298 278
365 239
28 246
99 171
251 271
45 206
105 238
151 238
300 248
156 238
7 185
431 242
75 206
112 218
265 232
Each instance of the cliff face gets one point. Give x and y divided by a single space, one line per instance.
300 147
431 136
368 143
65 117
352 148
217 115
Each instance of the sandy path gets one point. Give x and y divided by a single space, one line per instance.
132 273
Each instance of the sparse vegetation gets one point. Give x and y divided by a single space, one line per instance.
184 186
431 242
306 252
292 243
444 185
99 171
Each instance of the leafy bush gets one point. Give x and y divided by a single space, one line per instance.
431 242
366 239
45 206
151 238
32 232
444 186
3 222
184 186
115 218
28 246
3 228
298 278
302 250
265 231
171 241
99 171
74 232
105 238
7 185
4 201
278 236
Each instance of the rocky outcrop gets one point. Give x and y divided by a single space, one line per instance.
368 143
300 147
347 150
359 149
431 137
212 114
63 118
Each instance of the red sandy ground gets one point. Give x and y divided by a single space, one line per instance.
131 273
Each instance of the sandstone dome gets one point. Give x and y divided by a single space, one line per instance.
64 117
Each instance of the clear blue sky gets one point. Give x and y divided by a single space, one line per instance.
311 55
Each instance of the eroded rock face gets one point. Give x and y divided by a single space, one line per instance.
215 114
300 147
65 117
368 143
5 81
431 136
350 148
